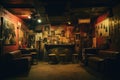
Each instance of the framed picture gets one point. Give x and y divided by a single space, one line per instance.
106 29
45 40
101 26
46 27
9 33
62 33
77 29
52 33
77 36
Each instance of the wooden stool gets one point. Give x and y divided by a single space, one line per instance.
63 58
52 58
75 58
34 57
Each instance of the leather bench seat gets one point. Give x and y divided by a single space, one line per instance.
96 63
96 59
15 62
104 61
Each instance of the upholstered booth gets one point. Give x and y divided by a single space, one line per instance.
88 52
15 62
104 61
31 51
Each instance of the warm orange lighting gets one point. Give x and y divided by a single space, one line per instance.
84 21
29 17
23 16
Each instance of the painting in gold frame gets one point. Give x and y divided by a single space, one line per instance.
9 33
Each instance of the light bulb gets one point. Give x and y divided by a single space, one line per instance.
29 17
69 22
39 21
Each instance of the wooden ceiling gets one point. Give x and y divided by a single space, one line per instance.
54 9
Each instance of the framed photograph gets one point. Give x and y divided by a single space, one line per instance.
101 34
52 33
45 40
77 36
77 29
62 33
9 33
106 29
101 26
46 27
110 28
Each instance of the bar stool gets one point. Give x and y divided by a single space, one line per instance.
62 58
34 54
75 58
53 57
34 57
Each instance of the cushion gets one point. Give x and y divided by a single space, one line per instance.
96 59
108 54
16 54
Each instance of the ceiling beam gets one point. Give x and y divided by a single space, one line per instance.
17 5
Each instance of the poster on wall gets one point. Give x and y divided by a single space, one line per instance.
102 29
9 36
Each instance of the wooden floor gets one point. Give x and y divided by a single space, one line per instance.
70 71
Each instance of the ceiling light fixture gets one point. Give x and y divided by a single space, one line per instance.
39 20
69 22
